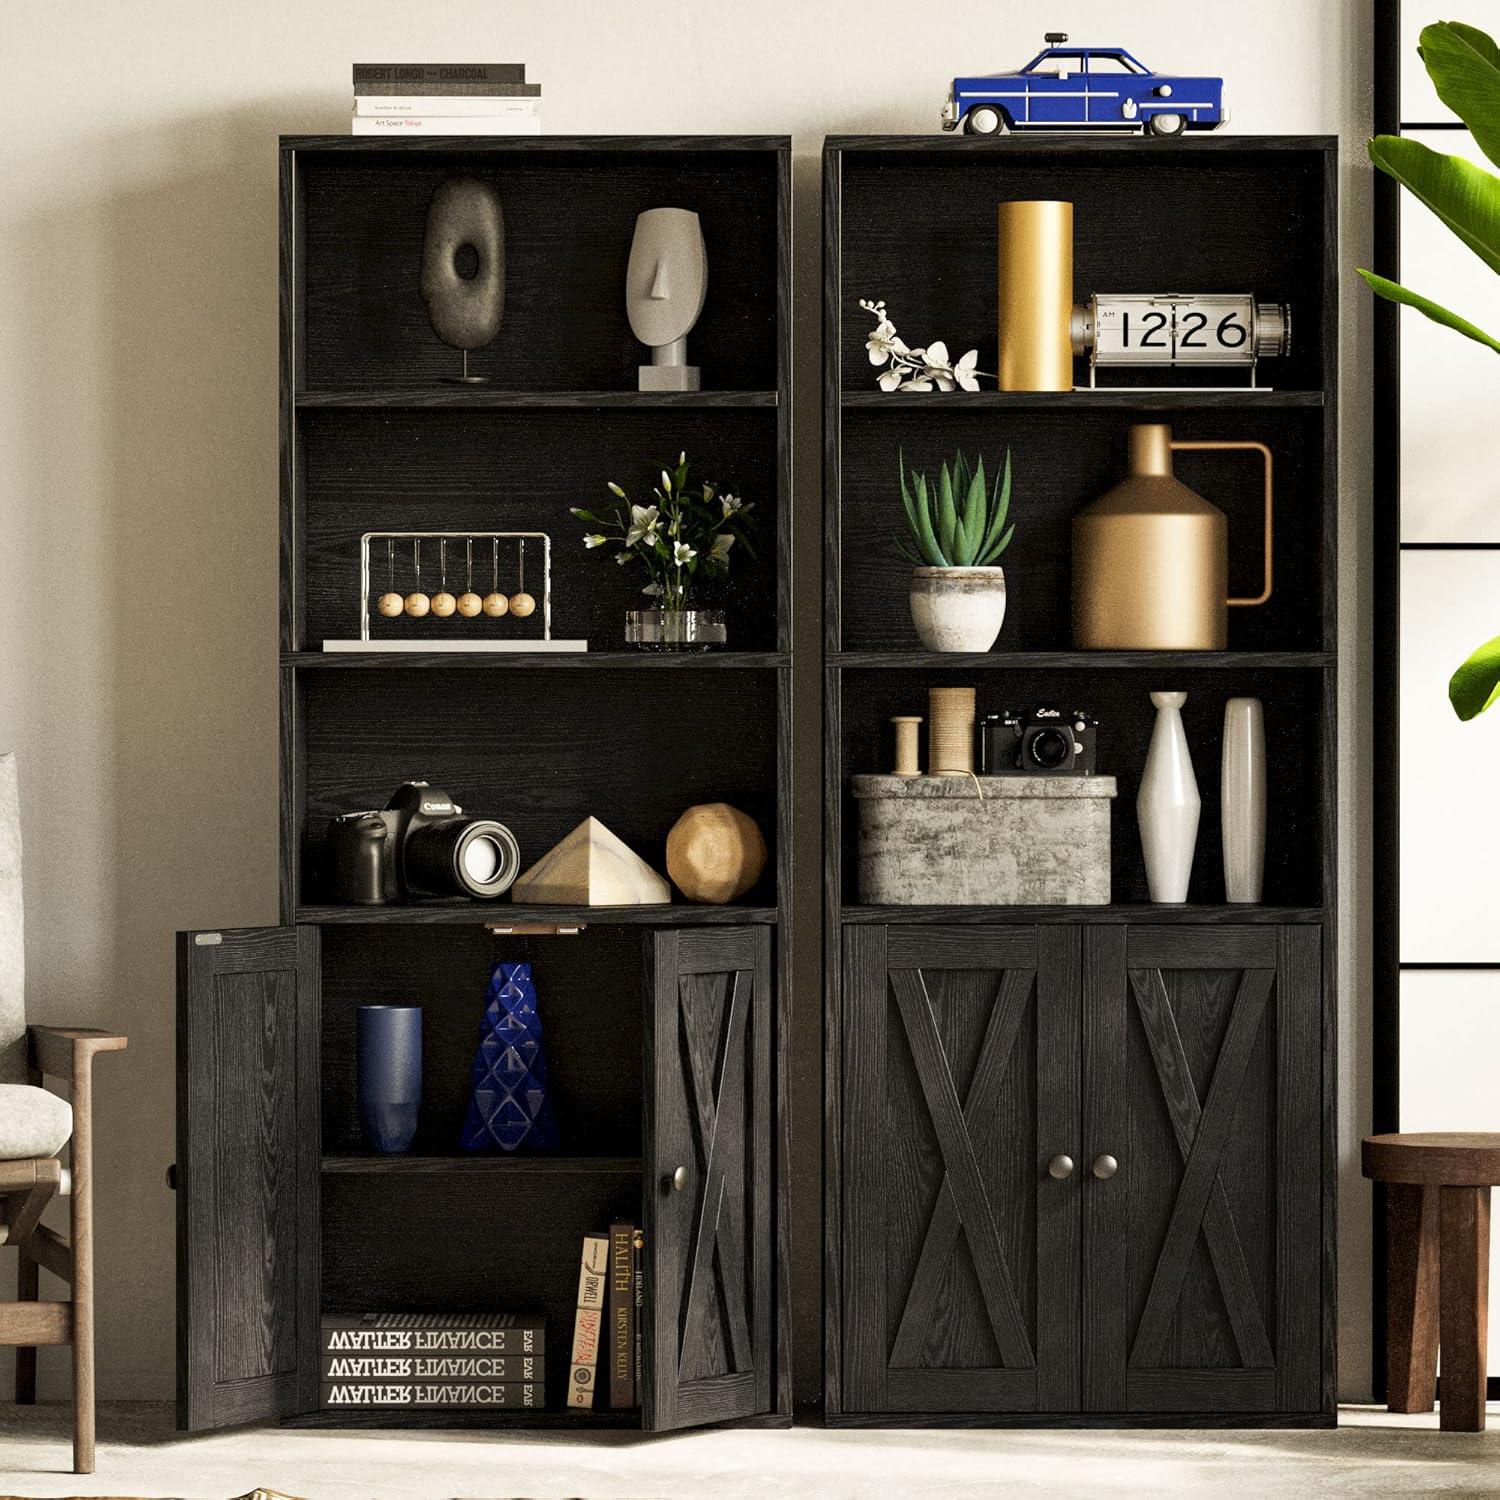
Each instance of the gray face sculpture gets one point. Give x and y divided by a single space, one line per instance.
665 284
463 265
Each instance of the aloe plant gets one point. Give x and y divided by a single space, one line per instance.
1464 65
958 522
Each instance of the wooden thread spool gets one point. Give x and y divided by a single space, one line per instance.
907 726
950 734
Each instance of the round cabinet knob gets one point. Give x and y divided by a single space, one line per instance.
1060 1167
1105 1166
679 1179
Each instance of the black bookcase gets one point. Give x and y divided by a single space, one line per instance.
966 1046
664 1025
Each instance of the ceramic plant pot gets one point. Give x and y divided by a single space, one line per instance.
958 609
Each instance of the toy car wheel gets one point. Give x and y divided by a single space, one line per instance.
983 120
1167 124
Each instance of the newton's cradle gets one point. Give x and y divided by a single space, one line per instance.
403 566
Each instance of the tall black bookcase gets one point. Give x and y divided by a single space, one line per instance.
664 1025
966 1047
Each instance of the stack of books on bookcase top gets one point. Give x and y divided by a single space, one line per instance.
433 1360
445 99
606 1365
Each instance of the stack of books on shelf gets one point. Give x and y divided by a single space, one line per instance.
607 1324
440 1361
445 99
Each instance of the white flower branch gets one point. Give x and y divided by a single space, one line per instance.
928 369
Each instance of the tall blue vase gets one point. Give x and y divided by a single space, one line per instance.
389 1041
510 1108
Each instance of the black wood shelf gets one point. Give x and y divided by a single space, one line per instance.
486 398
1131 912
492 661
502 913
1117 397
1023 661
398 1164
1111 1007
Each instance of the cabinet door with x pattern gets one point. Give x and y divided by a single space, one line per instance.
960 1076
1202 1199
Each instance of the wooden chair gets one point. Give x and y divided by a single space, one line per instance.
34 1126
1438 1267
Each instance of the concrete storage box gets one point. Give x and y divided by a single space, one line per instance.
1031 840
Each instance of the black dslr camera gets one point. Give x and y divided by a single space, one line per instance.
1045 742
419 844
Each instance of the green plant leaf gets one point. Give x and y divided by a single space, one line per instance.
1476 684
906 500
1464 65
974 499
906 551
1393 292
999 510
1465 197
926 539
947 516
1001 543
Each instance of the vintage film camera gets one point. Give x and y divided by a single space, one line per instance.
1044 742
419 844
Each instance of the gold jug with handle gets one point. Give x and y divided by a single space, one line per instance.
1151 556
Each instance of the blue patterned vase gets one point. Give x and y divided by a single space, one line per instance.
510 1107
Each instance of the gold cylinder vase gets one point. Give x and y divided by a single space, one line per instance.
1036 296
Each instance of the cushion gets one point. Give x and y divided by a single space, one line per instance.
32 1122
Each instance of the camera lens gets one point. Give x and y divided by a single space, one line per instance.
462 857
1049 748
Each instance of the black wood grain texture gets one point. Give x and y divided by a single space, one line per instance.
1062 460
1105 1314
1135 913
505 661
1138 400
493 1242
959 1275
1120 698
787 1157
709 1109
1191 1080
501 1166
247 1200
491 398
589 1002
482 471
543 752
569 221
461 912
1052 661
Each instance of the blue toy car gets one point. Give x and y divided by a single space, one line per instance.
1084 88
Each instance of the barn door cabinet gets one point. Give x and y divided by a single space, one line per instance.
1080 1170
685 1148
1080 1160
663 1025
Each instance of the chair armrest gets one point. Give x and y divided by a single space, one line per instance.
68 1051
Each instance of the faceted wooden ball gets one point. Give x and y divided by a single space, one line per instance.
496 605
417 605
444 604
469 604
521 605
390 605
715 853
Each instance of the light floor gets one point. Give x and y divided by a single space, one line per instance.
1372 1453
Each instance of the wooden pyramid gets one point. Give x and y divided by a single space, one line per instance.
591 867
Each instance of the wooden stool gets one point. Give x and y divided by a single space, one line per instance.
1437 1267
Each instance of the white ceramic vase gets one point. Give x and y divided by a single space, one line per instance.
958 609
1168 804
1242 800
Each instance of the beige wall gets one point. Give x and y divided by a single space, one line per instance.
138 434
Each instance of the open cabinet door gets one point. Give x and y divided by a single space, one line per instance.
710 1162
248 1140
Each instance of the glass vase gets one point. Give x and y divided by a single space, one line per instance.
675 629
